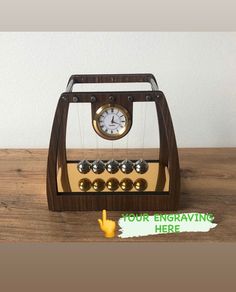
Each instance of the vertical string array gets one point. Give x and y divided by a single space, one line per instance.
98 166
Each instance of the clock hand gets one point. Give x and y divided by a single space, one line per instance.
113 122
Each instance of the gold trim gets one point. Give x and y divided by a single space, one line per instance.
107 136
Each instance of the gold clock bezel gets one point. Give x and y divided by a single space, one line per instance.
107 136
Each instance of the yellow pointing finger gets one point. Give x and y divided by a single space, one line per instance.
107 226
104 215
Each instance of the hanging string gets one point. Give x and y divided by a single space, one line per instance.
155 87
144 128
112 152
127 147
81 136
97 151
158 136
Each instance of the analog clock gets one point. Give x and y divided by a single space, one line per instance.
112 122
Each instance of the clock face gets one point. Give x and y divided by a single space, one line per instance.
112 122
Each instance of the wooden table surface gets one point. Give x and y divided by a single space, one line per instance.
208 180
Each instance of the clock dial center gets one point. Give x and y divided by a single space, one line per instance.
111 121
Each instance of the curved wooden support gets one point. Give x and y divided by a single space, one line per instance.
57 153
62 160
163 150
168 149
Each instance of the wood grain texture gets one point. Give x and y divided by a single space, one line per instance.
208 178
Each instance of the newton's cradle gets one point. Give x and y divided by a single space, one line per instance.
126 184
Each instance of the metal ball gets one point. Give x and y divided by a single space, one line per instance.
85 184
84 166
98 166
140 184
126 184
112 184
98 185
141 166
112 166
126 166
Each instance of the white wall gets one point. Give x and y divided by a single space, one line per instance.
196 71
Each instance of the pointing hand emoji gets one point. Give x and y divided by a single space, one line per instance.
107 226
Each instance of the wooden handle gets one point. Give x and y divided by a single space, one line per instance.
112 78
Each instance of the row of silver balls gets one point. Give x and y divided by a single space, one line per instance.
113 166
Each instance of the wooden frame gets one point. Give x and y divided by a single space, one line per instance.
168 154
